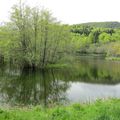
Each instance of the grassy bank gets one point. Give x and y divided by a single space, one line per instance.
110 50
113 58
100 110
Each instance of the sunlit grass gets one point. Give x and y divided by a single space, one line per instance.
100 110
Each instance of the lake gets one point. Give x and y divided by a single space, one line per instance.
87 79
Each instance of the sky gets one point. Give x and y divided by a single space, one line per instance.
71 11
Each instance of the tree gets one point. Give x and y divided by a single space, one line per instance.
36 39
104 37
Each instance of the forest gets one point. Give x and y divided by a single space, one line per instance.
97 38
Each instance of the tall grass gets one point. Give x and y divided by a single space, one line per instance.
100 110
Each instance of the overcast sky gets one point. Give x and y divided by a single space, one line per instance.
72 11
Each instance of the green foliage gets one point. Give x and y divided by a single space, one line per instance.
113 50
33 38
82 30
104 38
94 35
100 40
100 110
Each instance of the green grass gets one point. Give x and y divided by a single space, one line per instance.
56 66
113 58
100 110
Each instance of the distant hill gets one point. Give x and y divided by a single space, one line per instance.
102 24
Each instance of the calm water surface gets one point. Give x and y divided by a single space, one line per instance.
87 79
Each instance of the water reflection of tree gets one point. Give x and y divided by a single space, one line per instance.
96 71
42 87
49 86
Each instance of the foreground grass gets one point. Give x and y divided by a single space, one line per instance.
100 110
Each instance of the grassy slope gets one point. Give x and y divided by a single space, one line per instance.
101 110
103 24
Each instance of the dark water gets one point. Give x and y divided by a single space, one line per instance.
87 79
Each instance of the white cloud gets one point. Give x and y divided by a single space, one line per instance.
72 11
